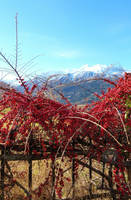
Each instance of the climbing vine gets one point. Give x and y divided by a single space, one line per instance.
105 122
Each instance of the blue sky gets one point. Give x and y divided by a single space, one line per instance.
67 34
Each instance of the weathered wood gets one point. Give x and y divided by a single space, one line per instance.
53 179
90 173
30 170
73 172
8 155
18 184
16 157
2 173
111 183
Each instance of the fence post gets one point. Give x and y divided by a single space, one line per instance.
30 168
90 173
111 183
73 172
103 171
129 167
2 172
53 179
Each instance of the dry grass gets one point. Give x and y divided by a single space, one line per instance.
40 171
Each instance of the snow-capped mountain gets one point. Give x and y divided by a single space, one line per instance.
90 69
87 72
73 87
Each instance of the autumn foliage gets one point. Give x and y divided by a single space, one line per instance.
62 127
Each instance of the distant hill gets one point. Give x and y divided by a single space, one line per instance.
79 85
83 92
2 86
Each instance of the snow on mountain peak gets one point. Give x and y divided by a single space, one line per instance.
98 68
88 71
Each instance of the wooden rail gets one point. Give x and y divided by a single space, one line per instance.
7 155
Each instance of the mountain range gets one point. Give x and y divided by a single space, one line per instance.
79 86
95 71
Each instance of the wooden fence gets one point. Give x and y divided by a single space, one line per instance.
6 156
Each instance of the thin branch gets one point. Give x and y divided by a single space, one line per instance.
123 125
18 184
16 57
8 62
70 139
99 126
14 69
29 62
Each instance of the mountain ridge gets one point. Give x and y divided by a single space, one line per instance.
78 85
